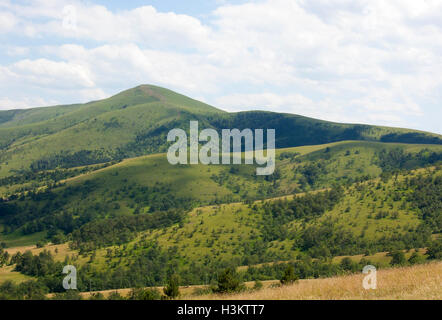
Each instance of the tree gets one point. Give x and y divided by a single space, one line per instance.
346 264
40 244
289 276
398 258
415 258
435 250
172 290
228 281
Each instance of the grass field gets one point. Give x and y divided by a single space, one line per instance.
420 282
417 282
7 273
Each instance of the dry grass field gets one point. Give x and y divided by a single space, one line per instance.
59 251
421 282
7 273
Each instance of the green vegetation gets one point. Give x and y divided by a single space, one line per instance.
135 122
229 282
172 289
289 276
91 177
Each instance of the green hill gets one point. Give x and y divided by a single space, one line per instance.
55 202
135 122
94 179
394 212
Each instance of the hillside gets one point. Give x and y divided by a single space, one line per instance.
407 283
148 184
93 180
117 241
135 122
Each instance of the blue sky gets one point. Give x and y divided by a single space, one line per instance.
361 61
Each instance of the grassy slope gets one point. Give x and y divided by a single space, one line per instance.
101 125
223 231
407 283
199 183
135 121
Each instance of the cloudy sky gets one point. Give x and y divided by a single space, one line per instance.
365 61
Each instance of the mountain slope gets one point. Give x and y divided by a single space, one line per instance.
149 184
136 121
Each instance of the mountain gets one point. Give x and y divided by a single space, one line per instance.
93 179
136 121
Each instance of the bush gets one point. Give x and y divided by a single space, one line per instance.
144 294
172 290
40 244
96 296
347 264
228 282
258 285
289 276
398 258
416 258
435 249
114 295
68 295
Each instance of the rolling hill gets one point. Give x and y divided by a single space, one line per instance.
135 122
94 180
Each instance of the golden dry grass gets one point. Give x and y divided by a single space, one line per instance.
184 290
59 251
421 282
8 273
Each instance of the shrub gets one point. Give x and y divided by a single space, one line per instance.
96 296
289 276
228 282
347 264
257 285
398 258
144 294
114 295
40 244
435 250
172 290
68 295
416 258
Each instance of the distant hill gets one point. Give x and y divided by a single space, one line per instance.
136 121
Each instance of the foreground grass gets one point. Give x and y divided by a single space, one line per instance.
420 282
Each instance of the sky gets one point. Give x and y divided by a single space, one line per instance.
359 61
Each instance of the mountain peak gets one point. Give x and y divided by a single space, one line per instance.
152 93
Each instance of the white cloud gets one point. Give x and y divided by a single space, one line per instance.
43 72
7 22
363 60
15 51
6 103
